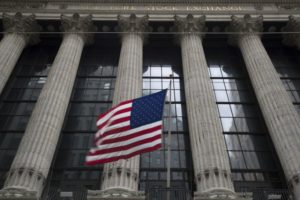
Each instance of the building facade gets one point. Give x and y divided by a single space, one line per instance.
235 97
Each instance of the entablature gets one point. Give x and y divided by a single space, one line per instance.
278 10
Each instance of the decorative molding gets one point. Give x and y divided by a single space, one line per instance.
221 194
247 24
244 26
189 24
17 194
115 194
258 2
213 172
25 25
53 10
79 25
133 23
27 174
293 25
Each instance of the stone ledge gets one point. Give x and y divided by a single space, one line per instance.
115 194
222 195
17 194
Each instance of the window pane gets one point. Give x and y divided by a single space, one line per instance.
218 85
221 96
155 71
241 124
224 110
228 125
259 160
236 160
156 84
253 142
215 72
232 142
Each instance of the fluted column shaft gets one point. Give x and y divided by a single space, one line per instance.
33 159
129 77
212 171
31 164
11 47
278 110
210 159
14 41
125 173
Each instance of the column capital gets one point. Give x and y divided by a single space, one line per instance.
293 25
25 25
246 25
133 23
79 25
189 24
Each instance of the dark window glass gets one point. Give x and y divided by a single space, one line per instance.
156 76
247 141
19 97
92 95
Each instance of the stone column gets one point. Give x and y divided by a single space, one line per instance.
121 178
279 113
16 37
31 164
292 39
210 158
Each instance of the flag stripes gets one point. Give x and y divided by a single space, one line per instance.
125 136
117 137
99 159
127 132
151 132
109 148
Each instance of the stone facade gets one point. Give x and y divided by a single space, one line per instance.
30 167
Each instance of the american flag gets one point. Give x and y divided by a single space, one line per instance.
130 128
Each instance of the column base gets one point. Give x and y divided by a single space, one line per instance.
17 194
222 195
115 194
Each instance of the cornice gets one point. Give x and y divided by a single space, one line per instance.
261 2
156 12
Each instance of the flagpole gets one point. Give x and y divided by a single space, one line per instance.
169 141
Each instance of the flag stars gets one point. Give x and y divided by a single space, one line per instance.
147 109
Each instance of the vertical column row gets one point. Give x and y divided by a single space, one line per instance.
277 108
211 162
33 159
31 164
